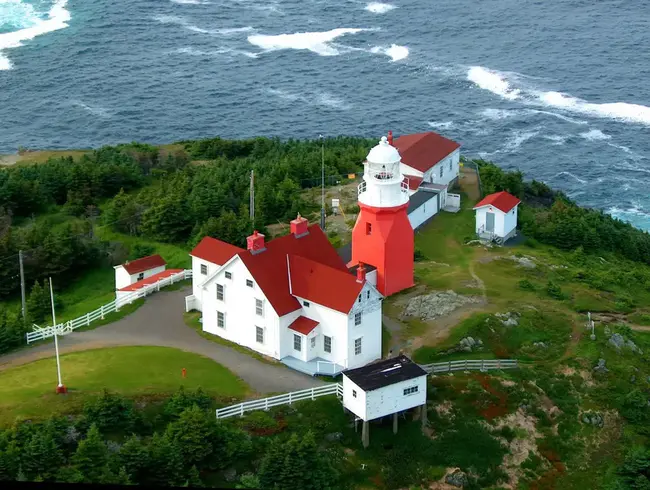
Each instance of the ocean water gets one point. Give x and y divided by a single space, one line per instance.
557 89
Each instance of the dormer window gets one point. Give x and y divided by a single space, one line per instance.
368 228
305 303
249 283
228 275
368 295
204 269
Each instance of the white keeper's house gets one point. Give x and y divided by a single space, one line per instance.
292 298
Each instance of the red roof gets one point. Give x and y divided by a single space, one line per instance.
334 288
413 181
503 201
151 279
144 264
215 251
422 151
303 325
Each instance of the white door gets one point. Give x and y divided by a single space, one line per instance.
489 221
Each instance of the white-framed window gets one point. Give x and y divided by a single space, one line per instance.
354 393
305 303
259 307
204 269
220 292
327 343
259 335
357 346
357 318
368 294
221 319
297 342
249 283
442 169
313 342
228 275
411 390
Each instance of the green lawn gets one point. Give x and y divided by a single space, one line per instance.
28 390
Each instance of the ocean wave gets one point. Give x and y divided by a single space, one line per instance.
634 215
225 31
441 124
316 42
57 18
191 51
569 174
395 52
379 8
556 138
318 98
191 2
516 140
497 114
95 111
503 85
595 135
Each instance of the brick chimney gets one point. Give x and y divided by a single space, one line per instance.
299 226
361 272
390 138
255 243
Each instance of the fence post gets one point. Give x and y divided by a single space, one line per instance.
102 312
266 404
498 363
87 319
449 367
241 413
172 279
158 285
289 398
312 393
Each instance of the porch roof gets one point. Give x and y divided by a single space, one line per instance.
303 325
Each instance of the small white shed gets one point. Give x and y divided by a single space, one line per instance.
496 217
384 388
137 270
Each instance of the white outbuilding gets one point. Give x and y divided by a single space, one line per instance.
131 272
496 217
384 388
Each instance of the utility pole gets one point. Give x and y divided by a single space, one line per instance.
60 388
322 209
251 205
22 282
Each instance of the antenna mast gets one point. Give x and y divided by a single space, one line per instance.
322 209
252 197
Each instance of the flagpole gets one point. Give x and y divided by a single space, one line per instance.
322 209
60 388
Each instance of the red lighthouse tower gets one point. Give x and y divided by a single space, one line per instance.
383 235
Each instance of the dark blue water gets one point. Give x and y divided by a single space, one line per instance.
558 89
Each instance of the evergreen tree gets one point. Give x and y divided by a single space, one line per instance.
69 474
134 458
166 463
194 478
192 433
42 456
38 303
91 456
9 462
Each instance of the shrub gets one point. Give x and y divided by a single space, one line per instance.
418 256
526 285
109 412
183 399
140 250
531 243
554 291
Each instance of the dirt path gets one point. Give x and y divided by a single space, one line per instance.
159 322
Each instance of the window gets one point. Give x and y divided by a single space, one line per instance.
220 295
359 298
368 294
354 393
357 318
259 335
327 344
204 269
297 342
221 320
259 307
368 228
313 342
411 390
228 275
141 276
249 283
305 303
450 165
442 169
357 346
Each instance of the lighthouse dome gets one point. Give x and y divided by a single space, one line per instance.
383 153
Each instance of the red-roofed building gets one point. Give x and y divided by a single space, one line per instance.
496 217
292 298
137 270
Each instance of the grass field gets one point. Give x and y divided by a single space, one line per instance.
28 391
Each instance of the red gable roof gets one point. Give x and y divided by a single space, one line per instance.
413 181
215 251
269 268
303 325
151 279
422 151
326 286
503 201
144 264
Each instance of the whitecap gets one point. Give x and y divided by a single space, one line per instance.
441 124
492 81
317 98
224 31
559 116
379 7
595 135
395 52
58 18
516 140
191 51
316 42
191 2
569 174
95 111
497 114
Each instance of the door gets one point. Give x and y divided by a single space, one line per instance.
489 221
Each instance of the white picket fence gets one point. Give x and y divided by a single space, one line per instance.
286 399
40 333
337 388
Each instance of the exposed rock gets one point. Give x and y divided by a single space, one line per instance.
601 366
593 418
230 474
434 305
540 345
457 479
468 344
509 319
618 342
525 261
334 436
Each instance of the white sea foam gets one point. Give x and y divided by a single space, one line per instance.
225 31
191 51
95 111
496 114
493 81
516 140
316 42
556 138
379 8
441 124
569 174
191 2
317 98
595 135
57 18
559 116
395 51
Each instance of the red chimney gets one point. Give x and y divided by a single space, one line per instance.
361 272
255 243
390 138
299 226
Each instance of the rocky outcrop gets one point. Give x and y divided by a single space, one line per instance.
457 479
600 368
434 305
593 418
509 319
619 342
